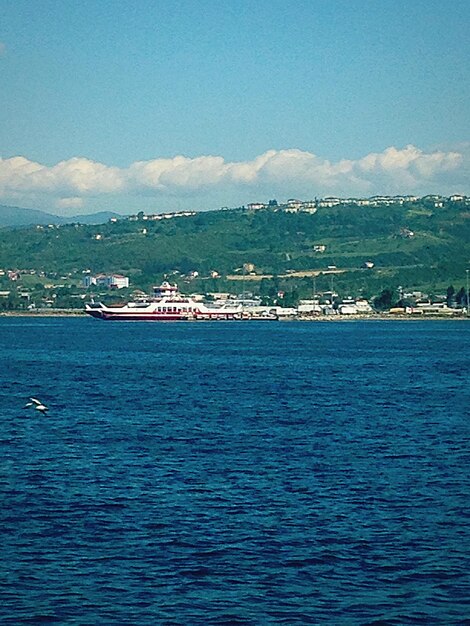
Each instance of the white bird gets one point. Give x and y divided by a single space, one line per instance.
38 405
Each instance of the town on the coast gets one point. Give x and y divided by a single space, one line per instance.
248 288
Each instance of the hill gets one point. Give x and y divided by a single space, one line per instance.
11 216
360 249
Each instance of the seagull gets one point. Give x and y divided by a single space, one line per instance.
38 405
42 408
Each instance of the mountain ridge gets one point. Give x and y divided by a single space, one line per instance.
16 217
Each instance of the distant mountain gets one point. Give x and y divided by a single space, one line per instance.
15 216
11 216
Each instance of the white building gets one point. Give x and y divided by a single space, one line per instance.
309 307
283 311
329 202
294 204
347 309
117 281
363 306
110 281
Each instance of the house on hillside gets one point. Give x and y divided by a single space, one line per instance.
309 206
329 202
109 281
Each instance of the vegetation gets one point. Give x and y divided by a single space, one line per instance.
414 245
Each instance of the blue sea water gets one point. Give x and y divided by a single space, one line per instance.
235 473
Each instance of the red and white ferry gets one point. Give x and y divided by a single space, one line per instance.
167 304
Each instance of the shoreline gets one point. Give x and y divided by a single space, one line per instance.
320 318
51 313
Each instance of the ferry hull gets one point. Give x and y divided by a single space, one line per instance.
131 316
127 317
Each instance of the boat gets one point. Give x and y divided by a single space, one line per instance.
167 304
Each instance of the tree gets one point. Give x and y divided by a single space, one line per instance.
450 295
13 301
264 287
461 297
290 298
384 301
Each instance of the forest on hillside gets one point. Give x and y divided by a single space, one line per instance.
370 248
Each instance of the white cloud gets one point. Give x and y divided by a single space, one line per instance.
69 184
77 175
411 160
69 203
179 172
86 177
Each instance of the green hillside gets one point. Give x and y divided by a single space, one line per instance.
415 245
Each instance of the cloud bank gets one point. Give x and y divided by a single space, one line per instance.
198 182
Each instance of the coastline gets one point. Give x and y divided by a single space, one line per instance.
320 318
44 313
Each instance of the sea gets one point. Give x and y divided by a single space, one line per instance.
234 473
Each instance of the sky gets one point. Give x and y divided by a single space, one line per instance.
173 105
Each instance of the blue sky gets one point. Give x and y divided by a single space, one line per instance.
171 105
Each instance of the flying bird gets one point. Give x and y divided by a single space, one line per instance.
38 405
42 408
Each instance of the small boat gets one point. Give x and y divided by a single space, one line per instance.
166 305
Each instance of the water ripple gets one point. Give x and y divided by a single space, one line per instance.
249 474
